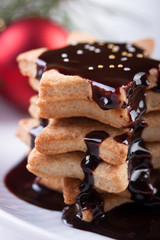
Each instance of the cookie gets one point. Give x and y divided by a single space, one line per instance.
67 135
106 177
24 127
77 85
86 108
53 183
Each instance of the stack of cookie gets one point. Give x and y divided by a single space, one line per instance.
100 139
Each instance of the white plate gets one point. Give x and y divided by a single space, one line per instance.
18 219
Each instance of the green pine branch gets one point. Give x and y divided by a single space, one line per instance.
13 9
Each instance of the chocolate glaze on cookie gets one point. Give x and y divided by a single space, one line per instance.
108 67
89 198
123 138
36 130
157 89
139 167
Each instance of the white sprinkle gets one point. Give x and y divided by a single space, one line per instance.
73 43
66 60
97 50
127 69
91 48
86 46
64 55
79 52
115 49
124 59
90 68
130 48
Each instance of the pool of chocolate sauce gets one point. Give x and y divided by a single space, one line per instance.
127 222
130 221
23 184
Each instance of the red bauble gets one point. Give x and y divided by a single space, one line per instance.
18 37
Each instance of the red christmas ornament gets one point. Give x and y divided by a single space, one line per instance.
18 37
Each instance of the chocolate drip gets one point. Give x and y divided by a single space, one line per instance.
137 105
89 198
23 184
140 167
139 160
43 122
157 88
36 130
155 178
123 138
108 67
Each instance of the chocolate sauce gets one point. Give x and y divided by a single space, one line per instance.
36 130
129 221
155 178
137 106
107 67
43 122
89 198
139 165
157 88
124 138
23 184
